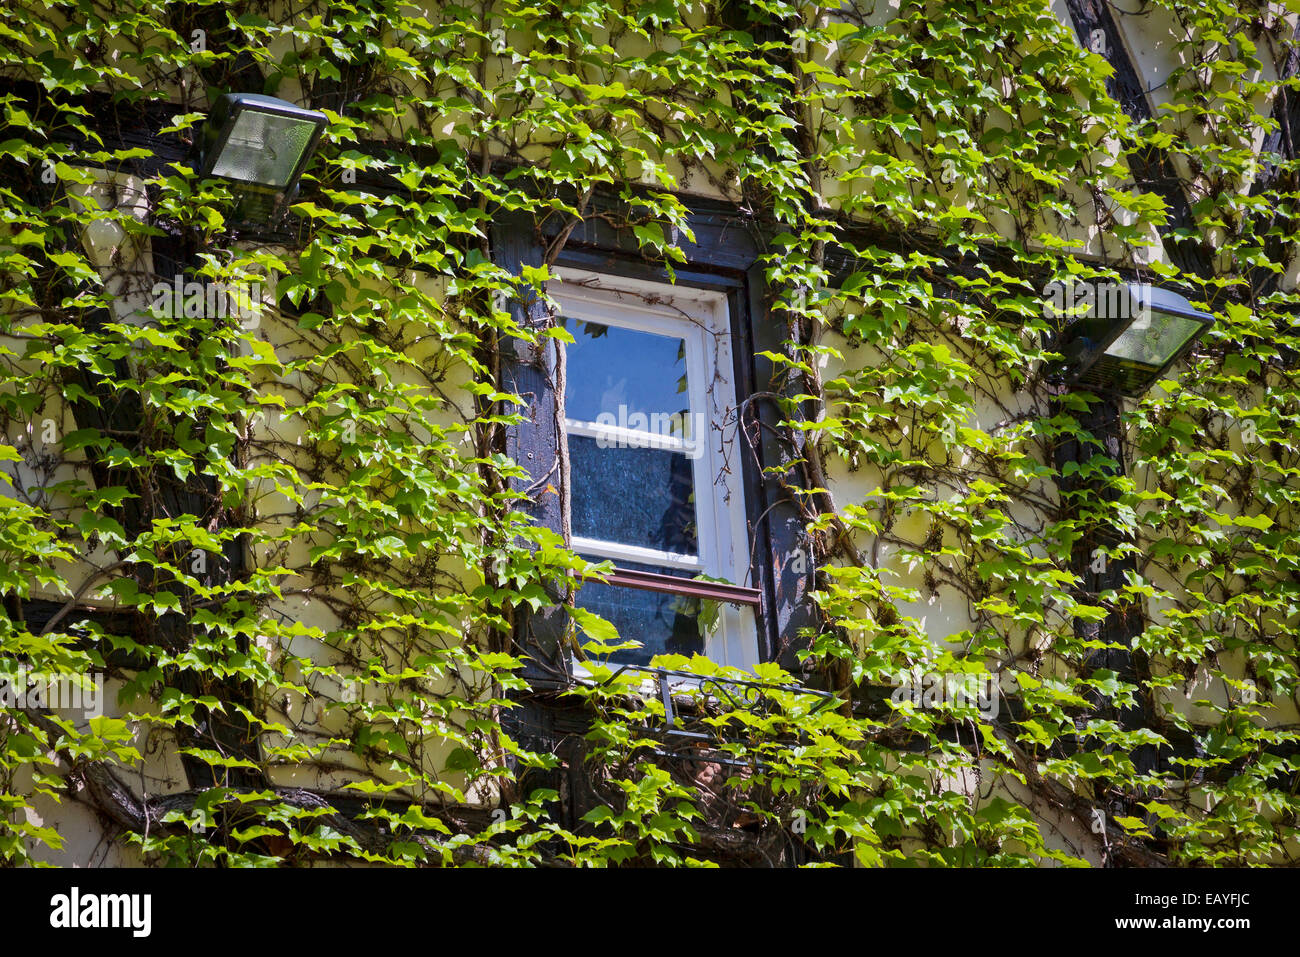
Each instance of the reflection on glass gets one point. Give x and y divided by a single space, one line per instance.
664 624
633 496
610 367
1153 338
263 148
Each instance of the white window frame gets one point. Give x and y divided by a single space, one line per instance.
702 319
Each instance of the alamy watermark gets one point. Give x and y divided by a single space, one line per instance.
209 300
1080 297
58 692
75 910
931 689
680 431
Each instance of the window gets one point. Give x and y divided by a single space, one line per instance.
651 434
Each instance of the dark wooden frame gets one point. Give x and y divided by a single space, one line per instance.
724 258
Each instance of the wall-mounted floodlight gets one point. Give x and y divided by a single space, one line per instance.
262 144
1126 334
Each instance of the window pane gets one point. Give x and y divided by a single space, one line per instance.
633 496
664 624
609 367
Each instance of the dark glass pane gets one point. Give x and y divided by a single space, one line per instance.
664 624
609 367
633 496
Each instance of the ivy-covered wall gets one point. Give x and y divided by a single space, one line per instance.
278 559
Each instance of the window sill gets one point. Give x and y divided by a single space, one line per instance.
686 587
